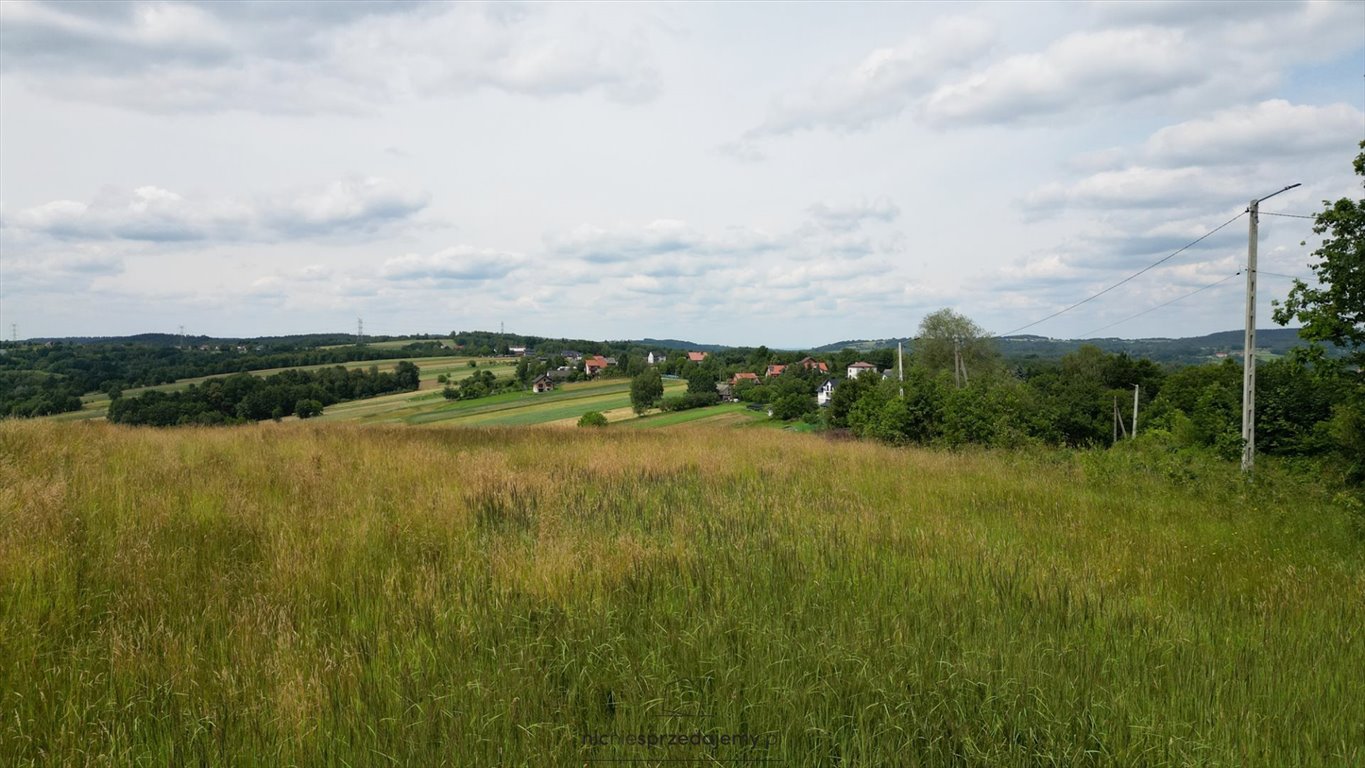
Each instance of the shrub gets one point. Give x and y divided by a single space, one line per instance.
689 401
592 419
307 409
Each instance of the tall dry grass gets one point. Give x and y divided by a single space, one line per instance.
332 595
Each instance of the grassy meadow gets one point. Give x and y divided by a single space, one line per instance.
371 595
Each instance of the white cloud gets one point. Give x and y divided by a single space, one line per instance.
1085 69
302 58
1250 134
152 214
883 84
459 263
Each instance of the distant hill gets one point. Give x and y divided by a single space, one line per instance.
1277 341
679 344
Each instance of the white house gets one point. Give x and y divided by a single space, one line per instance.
824 393
655 358
542 383
860 367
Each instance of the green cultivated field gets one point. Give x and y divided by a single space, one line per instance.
348 595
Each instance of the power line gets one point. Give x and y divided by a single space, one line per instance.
1277 274
1145 269
1089 334
1287 215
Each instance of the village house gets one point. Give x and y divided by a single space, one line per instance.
571 355
743 376
811 364
518 351
655 358
696 357
825 392
774 370
543 383
594 365
860 367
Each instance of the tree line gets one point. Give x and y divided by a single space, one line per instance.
243 398
42 379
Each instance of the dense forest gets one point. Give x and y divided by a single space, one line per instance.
243 397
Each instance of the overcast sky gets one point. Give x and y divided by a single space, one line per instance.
788 175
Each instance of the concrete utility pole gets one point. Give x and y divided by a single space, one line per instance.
900 366
1249 346
359 331
1135 403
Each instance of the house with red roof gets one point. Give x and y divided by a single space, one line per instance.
774 370
860 367
811 364
743 376
594 365
696 357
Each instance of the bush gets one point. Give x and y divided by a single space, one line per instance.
793 406
592 419
307 409
689 401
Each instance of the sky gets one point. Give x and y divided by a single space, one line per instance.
780 174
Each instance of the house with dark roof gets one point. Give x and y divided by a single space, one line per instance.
825 392
543 383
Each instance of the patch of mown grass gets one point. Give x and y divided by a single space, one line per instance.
342 595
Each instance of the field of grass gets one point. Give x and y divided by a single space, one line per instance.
356 595
563 406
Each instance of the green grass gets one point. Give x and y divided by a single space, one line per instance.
333 594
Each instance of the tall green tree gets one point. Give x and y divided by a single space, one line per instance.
1334 310
646 390
948 341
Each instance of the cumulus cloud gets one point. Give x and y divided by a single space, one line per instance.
154 214
1134 187
461 263
67 270
1081 70
1193 53
315 57
1252 133
845 217
882 85
603 245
